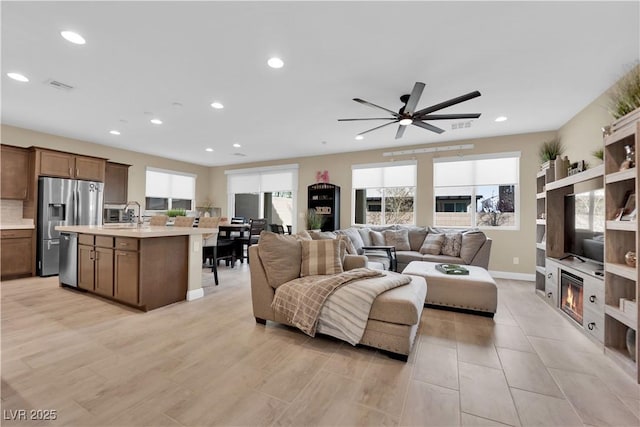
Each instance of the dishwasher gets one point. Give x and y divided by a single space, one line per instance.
68 261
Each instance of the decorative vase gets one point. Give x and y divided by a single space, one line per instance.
630 258
630 158
561 167
631 343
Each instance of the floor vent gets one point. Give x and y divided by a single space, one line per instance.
58 85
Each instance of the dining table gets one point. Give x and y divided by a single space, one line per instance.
228 231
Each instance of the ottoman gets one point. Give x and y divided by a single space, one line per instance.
476 292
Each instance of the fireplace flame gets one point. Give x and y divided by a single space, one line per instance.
570 302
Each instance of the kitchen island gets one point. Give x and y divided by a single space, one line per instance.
144 267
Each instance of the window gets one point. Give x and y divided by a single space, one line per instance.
169 190
384 193
264 193
477 191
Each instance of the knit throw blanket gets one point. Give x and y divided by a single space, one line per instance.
300 300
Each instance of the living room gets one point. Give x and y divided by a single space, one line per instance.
286 378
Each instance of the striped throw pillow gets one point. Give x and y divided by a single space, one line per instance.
432 244
321 257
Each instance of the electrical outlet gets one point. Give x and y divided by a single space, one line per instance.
516 260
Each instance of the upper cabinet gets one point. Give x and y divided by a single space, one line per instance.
66 165
116 182
15 172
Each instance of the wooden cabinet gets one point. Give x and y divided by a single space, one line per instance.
324 198
95 264
126 276
67 165
15 172
621 280
116 182
552 270
86 267
16 253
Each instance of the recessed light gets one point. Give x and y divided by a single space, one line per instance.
359 137
208 149
18 77
405 122
114 132
501 119
217 105
275 62
237 145
156 121
72 37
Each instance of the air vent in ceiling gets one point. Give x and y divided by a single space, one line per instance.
460 125
58 85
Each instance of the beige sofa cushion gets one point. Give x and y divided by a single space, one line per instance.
472 241
347 244
397 238
355 237
432 244
321 235
416 237
377 238
321 257
401 305
452 244
281 255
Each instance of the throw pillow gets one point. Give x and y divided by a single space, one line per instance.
377 238
364 235
472 241
303 235
355 238
416 237
280 255
321 257
432 244
397 238
322 235
347 245
452 244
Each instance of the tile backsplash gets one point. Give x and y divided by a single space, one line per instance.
10 211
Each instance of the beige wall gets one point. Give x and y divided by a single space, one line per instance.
25 138
507 244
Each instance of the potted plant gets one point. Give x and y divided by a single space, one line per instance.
625 95
172 213
314 220
598 154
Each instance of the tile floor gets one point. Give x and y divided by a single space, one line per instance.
206 362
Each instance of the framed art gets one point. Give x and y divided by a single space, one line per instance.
630 212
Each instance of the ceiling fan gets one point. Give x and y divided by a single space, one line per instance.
407 115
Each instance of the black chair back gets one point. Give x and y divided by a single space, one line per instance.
256 226
238 220
277 228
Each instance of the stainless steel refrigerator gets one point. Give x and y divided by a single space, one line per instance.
63 202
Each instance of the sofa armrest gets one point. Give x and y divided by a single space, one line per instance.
482 256
354 261
262 293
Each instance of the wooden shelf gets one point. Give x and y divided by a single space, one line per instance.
579 177
620 176
622 225
621 270
540 269
620 316
542 195
541 246
541 174
541 221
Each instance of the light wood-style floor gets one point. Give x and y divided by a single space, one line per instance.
206 362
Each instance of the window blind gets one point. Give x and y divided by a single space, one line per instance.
453 172
384 175
165 184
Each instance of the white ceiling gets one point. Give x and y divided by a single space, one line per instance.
538 63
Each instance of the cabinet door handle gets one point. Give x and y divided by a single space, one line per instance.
550 294
70 171
591 325
549 276
77 171
97 255
592 298
92 255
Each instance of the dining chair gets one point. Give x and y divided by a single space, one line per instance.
184 221
277 228
256 226
238 220
159 220
289 229
210 245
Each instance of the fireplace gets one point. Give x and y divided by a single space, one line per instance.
571 295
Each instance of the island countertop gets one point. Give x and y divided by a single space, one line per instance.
136 232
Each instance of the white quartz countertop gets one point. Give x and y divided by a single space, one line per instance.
25 224
136 232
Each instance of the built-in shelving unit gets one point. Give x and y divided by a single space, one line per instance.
621 280
542 179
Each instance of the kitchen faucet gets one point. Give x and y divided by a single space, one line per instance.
134 203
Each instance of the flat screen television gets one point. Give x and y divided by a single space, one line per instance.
584 221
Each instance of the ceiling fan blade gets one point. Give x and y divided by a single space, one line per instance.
362 101
427 126
412 103
445 104
400 131
450 116
378 127
377 118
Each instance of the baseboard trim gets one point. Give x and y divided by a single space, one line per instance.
513 276
195 294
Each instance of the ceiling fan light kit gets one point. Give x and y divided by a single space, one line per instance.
407 115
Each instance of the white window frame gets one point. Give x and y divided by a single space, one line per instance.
516 201
170 199
259 171
383 165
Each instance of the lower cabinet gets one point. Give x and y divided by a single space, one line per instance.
551 282
126 276
104 271
16 253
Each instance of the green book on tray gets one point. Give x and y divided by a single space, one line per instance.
452 269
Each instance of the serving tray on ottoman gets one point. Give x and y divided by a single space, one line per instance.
476 292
